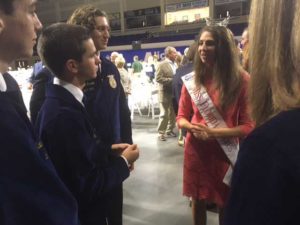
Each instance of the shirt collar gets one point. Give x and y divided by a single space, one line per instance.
169 60
3 86
173 65
75 91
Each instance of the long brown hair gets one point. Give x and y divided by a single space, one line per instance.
226 71
274 57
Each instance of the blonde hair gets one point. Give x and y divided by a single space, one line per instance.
120 61
274 57
178 59
226 72
245 60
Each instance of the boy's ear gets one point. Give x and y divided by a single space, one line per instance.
72 65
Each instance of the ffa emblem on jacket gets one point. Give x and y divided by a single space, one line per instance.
43 152
112 81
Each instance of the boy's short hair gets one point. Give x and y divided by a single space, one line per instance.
7 6
60 42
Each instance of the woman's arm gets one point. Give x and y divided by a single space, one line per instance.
213 133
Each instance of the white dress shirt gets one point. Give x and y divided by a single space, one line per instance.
173 65
3 86
75 91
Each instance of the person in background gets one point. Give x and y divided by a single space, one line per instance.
113 124
186 68
41 79
266 178
113 57
164 77
184 59
213 109
155 60
36 68
125 78
150 69
245 38
178 60
245 49
137 65
63 125
31 191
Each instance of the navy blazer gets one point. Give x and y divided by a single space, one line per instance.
41 79
107 105
30 191
13 87
82 160
266 178
177 83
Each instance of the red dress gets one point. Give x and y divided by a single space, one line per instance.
205 163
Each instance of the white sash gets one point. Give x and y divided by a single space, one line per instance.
213 119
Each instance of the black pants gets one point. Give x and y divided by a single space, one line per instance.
115 206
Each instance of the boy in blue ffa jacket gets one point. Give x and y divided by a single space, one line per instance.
82 160
105 98
106 91
31 192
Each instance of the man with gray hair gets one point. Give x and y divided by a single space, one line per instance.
164 77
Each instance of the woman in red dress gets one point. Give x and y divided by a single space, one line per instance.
217 68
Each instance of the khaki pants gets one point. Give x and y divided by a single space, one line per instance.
166 121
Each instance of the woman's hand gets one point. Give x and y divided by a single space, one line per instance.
213 133
202 132
201 136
